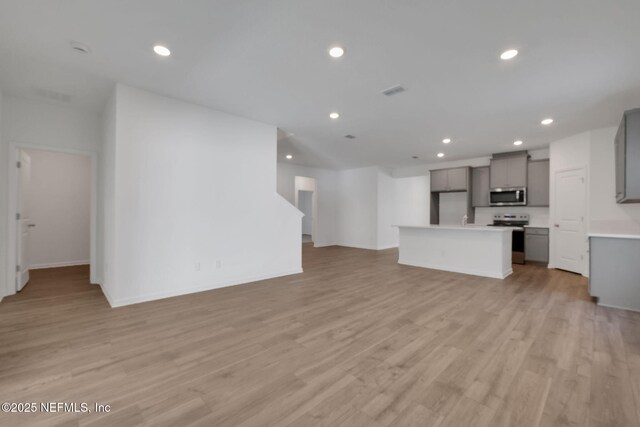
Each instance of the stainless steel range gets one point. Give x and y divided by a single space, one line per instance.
517 222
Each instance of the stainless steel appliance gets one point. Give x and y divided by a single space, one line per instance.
515 196
517 222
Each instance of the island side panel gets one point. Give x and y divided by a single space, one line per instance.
477 252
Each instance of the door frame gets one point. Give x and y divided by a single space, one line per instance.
313 209
313 188
12 209
552 217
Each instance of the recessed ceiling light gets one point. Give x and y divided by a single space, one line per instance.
336 52
440 154
518 142
161 50
334 115
289 156
547 121
446 140
509 54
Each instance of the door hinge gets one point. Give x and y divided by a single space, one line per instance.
17 269
18 216
18 164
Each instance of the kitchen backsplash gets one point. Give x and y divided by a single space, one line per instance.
537 216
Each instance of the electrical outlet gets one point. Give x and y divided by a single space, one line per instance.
218 264
197 266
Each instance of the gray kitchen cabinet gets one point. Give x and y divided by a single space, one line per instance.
456 179
538 183
627 158
614 271
439 180
480 187
506 172
536 244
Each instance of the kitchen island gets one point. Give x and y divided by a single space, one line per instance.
471 249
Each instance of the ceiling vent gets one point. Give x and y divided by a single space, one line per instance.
349 136
52 95
393 90
80 47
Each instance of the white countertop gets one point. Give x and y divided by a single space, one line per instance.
470 227
615 235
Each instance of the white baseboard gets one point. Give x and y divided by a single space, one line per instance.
618 307
58 264
382 248
168 294
469 271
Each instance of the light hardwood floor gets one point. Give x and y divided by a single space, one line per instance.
356 340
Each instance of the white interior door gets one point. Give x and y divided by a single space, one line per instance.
24 179
570 208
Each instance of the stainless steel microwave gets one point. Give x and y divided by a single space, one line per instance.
516 196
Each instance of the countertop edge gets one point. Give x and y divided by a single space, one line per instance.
456 227
614 235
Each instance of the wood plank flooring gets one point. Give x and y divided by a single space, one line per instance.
356 340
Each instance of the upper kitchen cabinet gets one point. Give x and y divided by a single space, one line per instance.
456 179
627 155
538 183
508 171
439 180
480 187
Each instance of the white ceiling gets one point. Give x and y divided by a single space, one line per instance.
267 60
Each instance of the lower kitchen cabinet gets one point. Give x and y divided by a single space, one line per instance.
536 244
614 271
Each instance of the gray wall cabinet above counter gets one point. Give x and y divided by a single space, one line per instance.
455 179
508 172
480 187
538 183
627 155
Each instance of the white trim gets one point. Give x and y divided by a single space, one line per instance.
12 207
168 294
383 248
469 271
59 264
619 308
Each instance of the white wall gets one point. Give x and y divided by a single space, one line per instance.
326 193
358 208
305 205
4 179
538 216
387 234
106 205
412 202
59 198
195 205
453 207
35 124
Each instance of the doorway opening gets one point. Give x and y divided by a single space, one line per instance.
55 206
305 205
306 196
